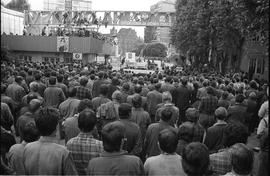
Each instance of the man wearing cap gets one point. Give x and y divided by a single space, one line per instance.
214 134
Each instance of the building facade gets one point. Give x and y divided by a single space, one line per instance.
47 49
12 21
80 5
161 34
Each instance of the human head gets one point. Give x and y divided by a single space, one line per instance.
184 81
85 103
235 132
166 96
253 84
112 135
103 89
30 97
87 120
225 95
34 105
126 87
195 159
72 91
166 115
242 159
137 89
168 140
115 81
52 80
157 86
124 110
101 75
18 79
221 113
47 120
83 81
117 95
185 132
30 132
137 101
60 78
3 88
239 98
210 90
37 76
192 115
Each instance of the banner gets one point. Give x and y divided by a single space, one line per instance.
77 56
62 44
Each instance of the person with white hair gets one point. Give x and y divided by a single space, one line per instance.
34 86
167 103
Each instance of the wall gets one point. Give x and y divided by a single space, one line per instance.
11 21
49 44
255 55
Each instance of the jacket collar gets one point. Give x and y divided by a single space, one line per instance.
110 154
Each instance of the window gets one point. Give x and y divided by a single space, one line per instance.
260 66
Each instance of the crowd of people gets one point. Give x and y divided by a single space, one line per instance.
193 122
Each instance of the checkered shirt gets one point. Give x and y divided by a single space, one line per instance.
83 148
208 105
83 93
220 163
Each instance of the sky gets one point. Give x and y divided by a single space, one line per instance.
137 5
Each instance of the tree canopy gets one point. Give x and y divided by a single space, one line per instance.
216 29
155 50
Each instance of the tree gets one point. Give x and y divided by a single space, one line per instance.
18 5
155 50
138 49
217 29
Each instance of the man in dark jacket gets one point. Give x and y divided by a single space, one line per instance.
133 132
181 99
214 134
238 111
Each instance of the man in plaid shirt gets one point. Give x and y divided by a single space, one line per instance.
207 108
234 132
84 147
82 91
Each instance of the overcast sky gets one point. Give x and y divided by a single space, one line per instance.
139 5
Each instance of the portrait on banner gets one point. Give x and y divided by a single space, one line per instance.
62 44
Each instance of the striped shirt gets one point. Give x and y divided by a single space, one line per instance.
83 148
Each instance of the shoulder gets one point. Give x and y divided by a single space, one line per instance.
16 147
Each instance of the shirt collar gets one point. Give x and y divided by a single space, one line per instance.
109 154
85 135
220 123
48 139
